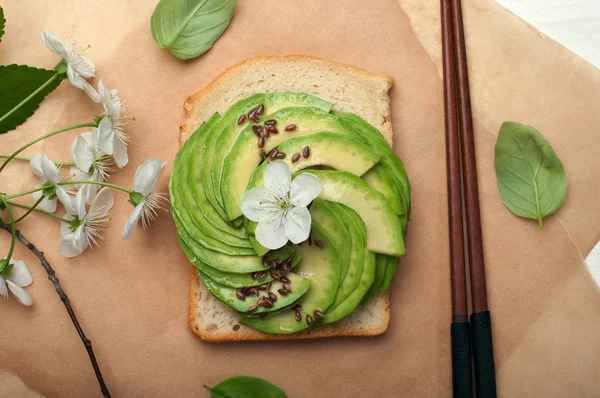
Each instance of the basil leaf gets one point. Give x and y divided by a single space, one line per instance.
189 28
2 24
531 178
245 387
17 84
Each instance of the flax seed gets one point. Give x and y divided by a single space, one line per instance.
306 152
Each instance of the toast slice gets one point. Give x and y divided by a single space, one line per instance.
349 89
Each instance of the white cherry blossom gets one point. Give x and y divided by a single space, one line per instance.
47 171
145 200
91 163
86 226
111 137
280 208
79 67
15 281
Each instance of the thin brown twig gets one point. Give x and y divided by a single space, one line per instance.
65 299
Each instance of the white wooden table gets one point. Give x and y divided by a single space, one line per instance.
576 25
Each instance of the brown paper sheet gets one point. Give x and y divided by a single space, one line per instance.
131 297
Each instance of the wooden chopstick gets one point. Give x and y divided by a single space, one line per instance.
455 67
481 324
462 384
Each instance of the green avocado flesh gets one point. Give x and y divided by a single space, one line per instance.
228 295
243 157
384 230
321 267
239 280
225 132
351 278
329 217
190 210
358 220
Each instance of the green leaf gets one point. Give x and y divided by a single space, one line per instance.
24 86
2 23
3 264
245 387
189 28
531 178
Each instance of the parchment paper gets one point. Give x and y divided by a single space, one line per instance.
131 297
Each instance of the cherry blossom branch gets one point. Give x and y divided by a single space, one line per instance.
22 206
23 159
18 151
65 299
32 208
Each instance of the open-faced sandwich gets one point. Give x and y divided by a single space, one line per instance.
289 201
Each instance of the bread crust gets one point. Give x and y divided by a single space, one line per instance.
190 102
240 332
247 334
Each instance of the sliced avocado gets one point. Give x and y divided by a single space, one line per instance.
384 230
353 300
390 271
224 134
381 181
358 245
335 150
320 265
389 159
338 151
259 249
219 261
195 184
237 280
329 216
189 211
381 264
228 295
244 156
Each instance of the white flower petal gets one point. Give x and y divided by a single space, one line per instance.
82 153
278 178
53 43
296 224
269 231
49 169
3 290
65 229
110 101
120 153
79 205
147 176
106 136
305 188
20 294
68 249
89 138
74 77
102 203
46 204
253 204
80 238
89 90
77 174
20 273
36 166
81 64
65 199
132 222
